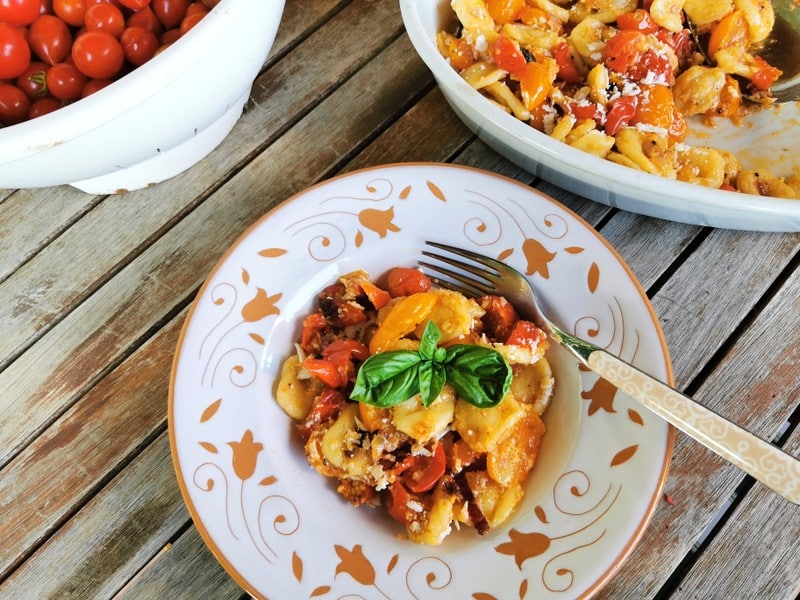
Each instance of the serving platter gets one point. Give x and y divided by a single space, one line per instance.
280 529
765 139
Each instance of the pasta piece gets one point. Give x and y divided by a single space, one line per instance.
476 20
598 84
589 38
482 74
705 12
763 184
562 14
668 14
502 93
703 166
594 142
605 11
697 90
530 36
760 18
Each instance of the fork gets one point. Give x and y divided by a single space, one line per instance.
476 275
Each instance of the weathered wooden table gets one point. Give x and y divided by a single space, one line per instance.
94 290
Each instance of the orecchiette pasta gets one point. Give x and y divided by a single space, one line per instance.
618 80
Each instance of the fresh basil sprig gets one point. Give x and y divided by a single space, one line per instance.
480 375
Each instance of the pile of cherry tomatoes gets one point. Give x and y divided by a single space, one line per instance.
53 52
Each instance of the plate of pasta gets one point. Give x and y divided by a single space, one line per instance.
254 491
616 102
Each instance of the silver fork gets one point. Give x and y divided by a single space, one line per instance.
477 275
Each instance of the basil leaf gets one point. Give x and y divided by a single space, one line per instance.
480 375
432 378
387 378
430 337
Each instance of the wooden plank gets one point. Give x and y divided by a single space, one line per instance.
64 466
757 385
67 271
30 219
186 568
103 546
726 275
761 536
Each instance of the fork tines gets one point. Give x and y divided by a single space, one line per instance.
476 283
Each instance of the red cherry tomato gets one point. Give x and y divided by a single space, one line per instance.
104 17
14 104
170 36
639 20
170 12
98 54
70 11
94 85
15 54
146 18
196 7
19 12
135 4
43 106
50 39
190 21
33 81
65 81
138 44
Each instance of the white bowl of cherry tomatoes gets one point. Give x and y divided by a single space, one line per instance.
115 95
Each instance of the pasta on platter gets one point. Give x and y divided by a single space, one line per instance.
618 78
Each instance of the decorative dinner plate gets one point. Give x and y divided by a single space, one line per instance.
281 530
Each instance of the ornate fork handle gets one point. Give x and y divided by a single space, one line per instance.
767 463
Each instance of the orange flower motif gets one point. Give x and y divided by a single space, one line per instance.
354 563
524 546
245 455
601 396
379 221
538 258
260 306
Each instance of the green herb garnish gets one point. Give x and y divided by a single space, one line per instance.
480 375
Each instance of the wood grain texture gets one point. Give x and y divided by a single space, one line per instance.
94 290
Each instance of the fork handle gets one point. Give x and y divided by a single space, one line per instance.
767 463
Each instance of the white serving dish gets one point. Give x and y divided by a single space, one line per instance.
155 122
768 138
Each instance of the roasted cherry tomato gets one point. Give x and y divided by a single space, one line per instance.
19 12
50 39
765 75
15 54
404 281
639 20
425 471
98 54
507 55
565 59
525 333
534 84
620 113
